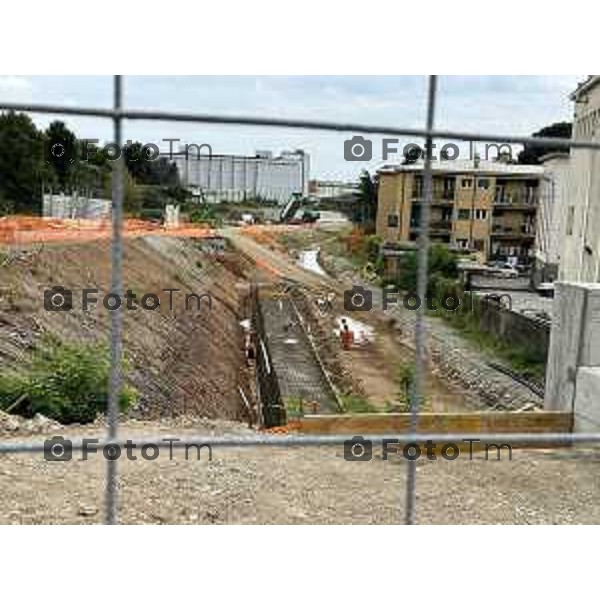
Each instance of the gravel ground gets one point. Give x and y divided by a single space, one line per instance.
308 485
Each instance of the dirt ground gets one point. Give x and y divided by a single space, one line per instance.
376 365
297 485
459 374
181 360
368 370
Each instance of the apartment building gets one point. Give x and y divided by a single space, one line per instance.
580 233
484 206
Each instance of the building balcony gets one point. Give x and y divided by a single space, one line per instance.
512 232
439 199
436 227
440 194
516 201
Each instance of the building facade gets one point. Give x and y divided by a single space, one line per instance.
332 190
483 206
230 178
556 191
580 239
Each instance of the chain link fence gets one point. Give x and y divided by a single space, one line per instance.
118 114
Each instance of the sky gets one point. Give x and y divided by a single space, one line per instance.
518 105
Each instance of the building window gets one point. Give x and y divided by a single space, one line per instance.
448 189
467 182
418 187
481 214
570 220
464 213
393 220
483 184
478 245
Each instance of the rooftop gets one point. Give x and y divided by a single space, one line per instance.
484 167
585 86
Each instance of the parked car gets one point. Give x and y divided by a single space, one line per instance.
507 272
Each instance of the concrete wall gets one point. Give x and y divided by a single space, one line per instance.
529 333
59 206
573 371
533 335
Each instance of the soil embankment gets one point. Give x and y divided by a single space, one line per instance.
181 360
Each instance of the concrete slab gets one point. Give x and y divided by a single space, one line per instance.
587 402
565 352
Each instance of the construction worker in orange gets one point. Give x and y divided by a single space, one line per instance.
346 335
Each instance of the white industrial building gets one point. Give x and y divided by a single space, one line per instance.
232 178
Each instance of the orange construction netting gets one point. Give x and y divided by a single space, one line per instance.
27 230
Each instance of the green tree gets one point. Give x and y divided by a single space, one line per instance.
530 155
442 263
61 152
159 171
366 201
22 165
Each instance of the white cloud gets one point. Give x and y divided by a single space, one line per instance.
12 82
15 89
516 105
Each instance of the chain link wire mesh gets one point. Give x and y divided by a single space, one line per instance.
118 114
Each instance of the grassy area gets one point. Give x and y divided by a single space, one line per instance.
67 382
357 404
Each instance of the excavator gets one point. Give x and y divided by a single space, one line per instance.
288 212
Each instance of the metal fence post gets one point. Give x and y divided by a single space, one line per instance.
116 342
420 340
